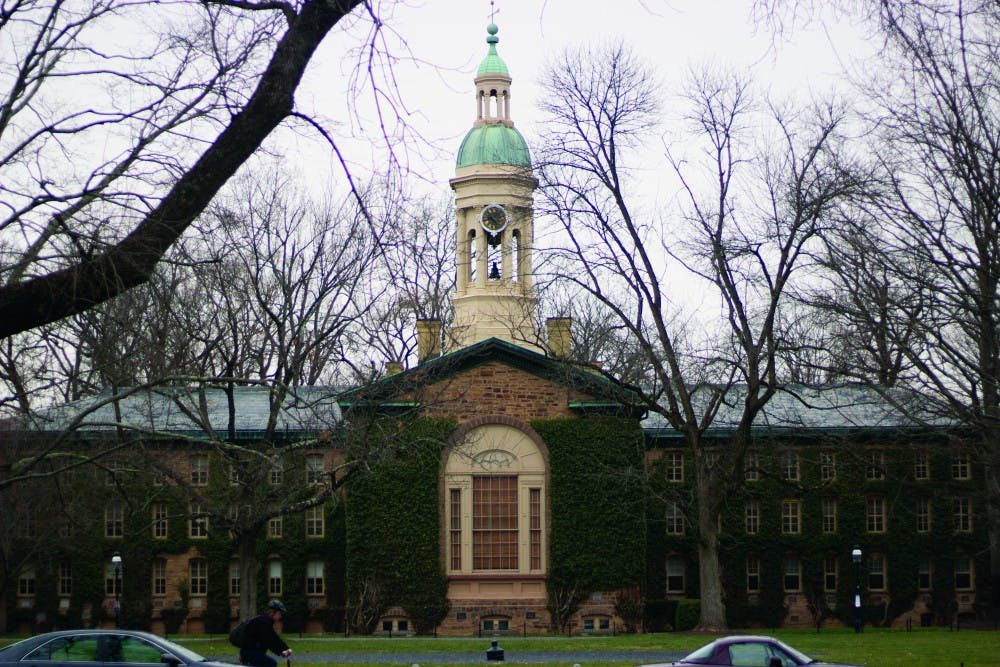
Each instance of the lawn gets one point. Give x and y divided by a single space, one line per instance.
924 647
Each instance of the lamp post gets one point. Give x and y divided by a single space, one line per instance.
116 564
856 557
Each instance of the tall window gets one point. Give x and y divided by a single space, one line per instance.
753 574
112 581
875 470
315 582
875 514
923 515
198 576
674 466
197 522
277 474
752 516
26 581
314 469
924 573
960 466
199 470
962 515
535 528
159 521
159 576
675 575
65 587
828 508
675 519
922 466
234 578
830 570
791 517
315 522
274 578
963 573
455 527
876 572
275 526
827 466
751 466
494 522
114 519
28 526
790 465
792 578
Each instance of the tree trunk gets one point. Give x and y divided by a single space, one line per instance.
992 497
249 570
713 609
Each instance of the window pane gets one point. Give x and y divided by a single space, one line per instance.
494 522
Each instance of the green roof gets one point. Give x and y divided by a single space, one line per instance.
493 144
492 64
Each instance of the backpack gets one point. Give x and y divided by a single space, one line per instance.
237 634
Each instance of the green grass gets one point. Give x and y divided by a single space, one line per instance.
924 647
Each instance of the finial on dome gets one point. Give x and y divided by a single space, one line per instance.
492 29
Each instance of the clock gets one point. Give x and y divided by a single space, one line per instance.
493 218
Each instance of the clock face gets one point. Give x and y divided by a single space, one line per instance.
493 218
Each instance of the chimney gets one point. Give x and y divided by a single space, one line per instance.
393 368
559 336
428 339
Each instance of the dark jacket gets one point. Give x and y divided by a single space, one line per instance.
260 636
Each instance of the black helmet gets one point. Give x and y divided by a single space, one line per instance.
277 605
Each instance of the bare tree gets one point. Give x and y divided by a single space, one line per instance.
81 224
751 211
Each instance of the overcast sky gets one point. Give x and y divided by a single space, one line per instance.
446 41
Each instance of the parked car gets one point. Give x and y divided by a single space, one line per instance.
79 648
751 651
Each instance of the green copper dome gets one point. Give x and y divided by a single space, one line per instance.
492 64
493 144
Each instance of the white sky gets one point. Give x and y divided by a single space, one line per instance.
446 39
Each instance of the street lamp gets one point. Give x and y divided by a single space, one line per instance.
116 564
856 557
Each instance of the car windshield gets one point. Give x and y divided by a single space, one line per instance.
706 652
184 654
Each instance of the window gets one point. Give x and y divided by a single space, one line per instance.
28 526
674 466
198 576
924 574
493 625
115 469
675 519
494 522
827 466
875 470
792 579
277 475
65 585
26 581
535 528
830 570
753 574
79 648
751 466
315 522
234 474
751 515
923 515
875 514
960 466
455 527
159 521
791 516
828 508
274 578
675 575
198 522
962 513
159 576
234 578
314 469
112 581
199 470
275 525
711 460
922 466
114 519
963 573
790 466
314 578
876 572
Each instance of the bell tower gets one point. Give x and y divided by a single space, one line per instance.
493 187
